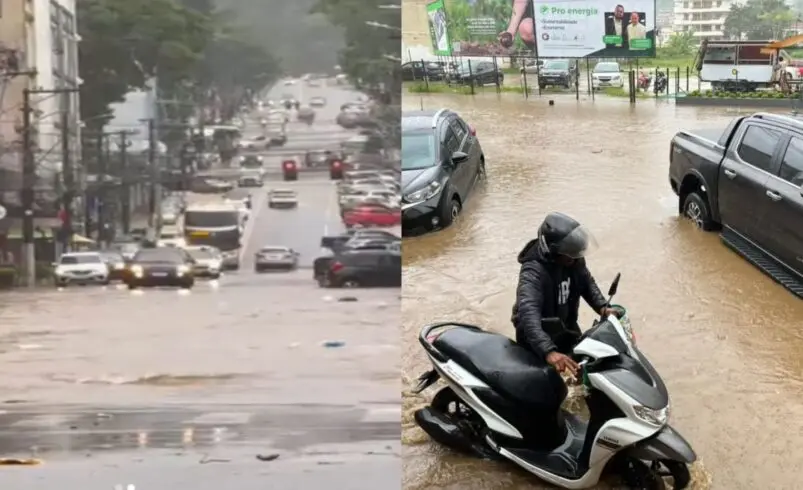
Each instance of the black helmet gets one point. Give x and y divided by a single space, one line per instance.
560 234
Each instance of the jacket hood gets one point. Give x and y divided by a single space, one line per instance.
531 252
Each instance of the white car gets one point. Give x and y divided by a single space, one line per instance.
287 83
282 198
317 102
607 74
171 237
80 268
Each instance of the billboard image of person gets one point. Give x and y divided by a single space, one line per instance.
438 28
581 28
490 27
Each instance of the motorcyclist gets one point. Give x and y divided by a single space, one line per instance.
552 279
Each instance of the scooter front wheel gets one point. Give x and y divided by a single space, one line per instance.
636 475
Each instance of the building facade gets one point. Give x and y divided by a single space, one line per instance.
42 36
705 18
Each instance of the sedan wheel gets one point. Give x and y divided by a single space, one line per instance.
351 284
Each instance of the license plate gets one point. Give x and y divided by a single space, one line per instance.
159 274
274 257
199 233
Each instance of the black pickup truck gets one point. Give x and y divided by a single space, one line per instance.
747 181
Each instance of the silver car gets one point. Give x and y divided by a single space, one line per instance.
230 260
208 261
282 198
276 258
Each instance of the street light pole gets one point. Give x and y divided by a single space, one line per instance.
69 182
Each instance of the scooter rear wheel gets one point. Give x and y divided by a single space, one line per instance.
470 423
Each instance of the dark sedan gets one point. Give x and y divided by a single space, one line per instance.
441 162
477 73
163 266
419 70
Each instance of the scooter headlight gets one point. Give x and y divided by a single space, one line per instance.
651 416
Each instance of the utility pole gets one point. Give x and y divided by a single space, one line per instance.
100 197
154 172
125 178
69 181
27 196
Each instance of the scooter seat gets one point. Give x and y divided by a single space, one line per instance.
505 366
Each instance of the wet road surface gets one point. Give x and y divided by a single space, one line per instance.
725 338
193 385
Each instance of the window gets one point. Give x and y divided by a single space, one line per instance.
450 141
792 166
758 145
458 128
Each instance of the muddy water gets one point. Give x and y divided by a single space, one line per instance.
725 338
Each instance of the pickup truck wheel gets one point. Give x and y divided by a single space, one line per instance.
696 209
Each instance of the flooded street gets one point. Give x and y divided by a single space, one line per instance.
725 338
168 389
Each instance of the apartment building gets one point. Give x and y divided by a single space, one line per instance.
706 18
42 36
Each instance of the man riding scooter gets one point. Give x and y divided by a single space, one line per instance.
552 279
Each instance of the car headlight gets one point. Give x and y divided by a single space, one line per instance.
651 416
615 77
427 192
59 271
119 266
215 264
137 270
182 269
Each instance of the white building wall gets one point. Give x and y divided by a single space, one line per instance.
706 18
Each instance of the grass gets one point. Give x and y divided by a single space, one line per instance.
442 88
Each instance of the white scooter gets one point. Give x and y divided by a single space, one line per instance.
502 403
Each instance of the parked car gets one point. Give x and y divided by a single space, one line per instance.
477 72
420 70
531 67
747 181
115 263
607 74
558 73
442 160
371 215
364 268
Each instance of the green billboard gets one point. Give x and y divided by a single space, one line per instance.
438 28
489 27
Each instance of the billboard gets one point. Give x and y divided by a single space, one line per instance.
595 28
487 27
438 29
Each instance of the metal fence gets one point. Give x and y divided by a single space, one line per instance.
522 75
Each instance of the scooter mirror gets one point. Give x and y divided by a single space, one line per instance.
614 284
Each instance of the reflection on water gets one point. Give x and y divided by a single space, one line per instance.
725 338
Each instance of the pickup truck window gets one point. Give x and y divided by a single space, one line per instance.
792 166
758 145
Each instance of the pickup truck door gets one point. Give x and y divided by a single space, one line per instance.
784 220
749 163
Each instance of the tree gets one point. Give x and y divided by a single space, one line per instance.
373 39
679 45
759 20
125 43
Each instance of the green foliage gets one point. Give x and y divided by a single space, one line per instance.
123 43
680 45
459 12
742 95
365 57
759 20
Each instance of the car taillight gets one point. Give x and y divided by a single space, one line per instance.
336 164
336 266
472 130
289 165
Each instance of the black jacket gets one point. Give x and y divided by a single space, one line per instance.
537 298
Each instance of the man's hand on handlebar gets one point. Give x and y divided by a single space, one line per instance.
562 363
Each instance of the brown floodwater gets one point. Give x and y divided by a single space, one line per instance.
725 338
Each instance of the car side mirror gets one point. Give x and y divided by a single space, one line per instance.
459 157
614 285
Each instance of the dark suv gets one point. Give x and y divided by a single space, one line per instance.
441 162
419 70
364 268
